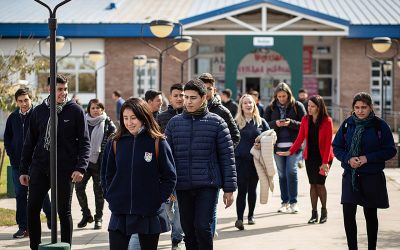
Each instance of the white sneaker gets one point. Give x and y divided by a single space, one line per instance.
294 208
283 208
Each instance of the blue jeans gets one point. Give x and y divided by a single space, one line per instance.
215 219
174 218
196 210
288 181
134 243
21 196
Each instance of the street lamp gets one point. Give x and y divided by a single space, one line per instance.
94 56
60 43
139 61
52 21
384 50
182 62
162 29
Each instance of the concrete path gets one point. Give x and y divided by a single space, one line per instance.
271 231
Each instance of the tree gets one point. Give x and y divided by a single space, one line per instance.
13 70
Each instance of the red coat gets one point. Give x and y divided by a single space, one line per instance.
324 139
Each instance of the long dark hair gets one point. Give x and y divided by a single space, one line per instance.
143 113
322 111
362 97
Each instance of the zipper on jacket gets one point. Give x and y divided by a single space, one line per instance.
133 154
190 151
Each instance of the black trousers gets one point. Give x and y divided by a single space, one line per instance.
350 225
39 185
247 186
80 188
120 241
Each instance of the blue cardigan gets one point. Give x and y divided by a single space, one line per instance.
134 181
377 148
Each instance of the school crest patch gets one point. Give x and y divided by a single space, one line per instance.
148 156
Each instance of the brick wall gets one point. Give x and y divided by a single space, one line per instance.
119 72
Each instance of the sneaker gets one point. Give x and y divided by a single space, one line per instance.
294 208
283 208
251 220
239 225
21 233
98 223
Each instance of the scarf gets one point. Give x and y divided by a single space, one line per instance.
96 138
355 147
200 111
59 108
282 110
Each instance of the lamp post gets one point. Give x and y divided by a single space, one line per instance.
182 62
52 21
162 29
385 50
94 56
139 61
60 43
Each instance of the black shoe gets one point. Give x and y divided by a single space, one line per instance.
21 233
98 223
251 220
239 225
314 217
85 220
324 216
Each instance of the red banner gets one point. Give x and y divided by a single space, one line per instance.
307 60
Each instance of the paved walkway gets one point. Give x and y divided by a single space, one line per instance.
271 231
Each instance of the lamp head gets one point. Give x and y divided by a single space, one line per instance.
161 28
152 63
95 55
139 60
381 44
183 43
60 42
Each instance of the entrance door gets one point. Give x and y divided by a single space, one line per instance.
252 83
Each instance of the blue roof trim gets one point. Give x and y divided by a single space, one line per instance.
272 2
78 30
370 31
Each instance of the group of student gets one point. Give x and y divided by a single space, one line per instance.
184 155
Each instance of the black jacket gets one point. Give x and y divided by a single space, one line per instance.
295 113
231 106
14 135
164 117
215 106
73 144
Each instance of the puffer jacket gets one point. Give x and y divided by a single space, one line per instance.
215 106
203 151
164 117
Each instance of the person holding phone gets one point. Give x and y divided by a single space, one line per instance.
284 115
316 129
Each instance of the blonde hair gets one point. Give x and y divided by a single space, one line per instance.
241 119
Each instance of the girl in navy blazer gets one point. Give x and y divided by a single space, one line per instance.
135 180
363 143
316 129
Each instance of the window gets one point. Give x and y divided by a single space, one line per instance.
81 76
376 93
145 78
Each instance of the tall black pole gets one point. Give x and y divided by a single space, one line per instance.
382 96
182 72
53 117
